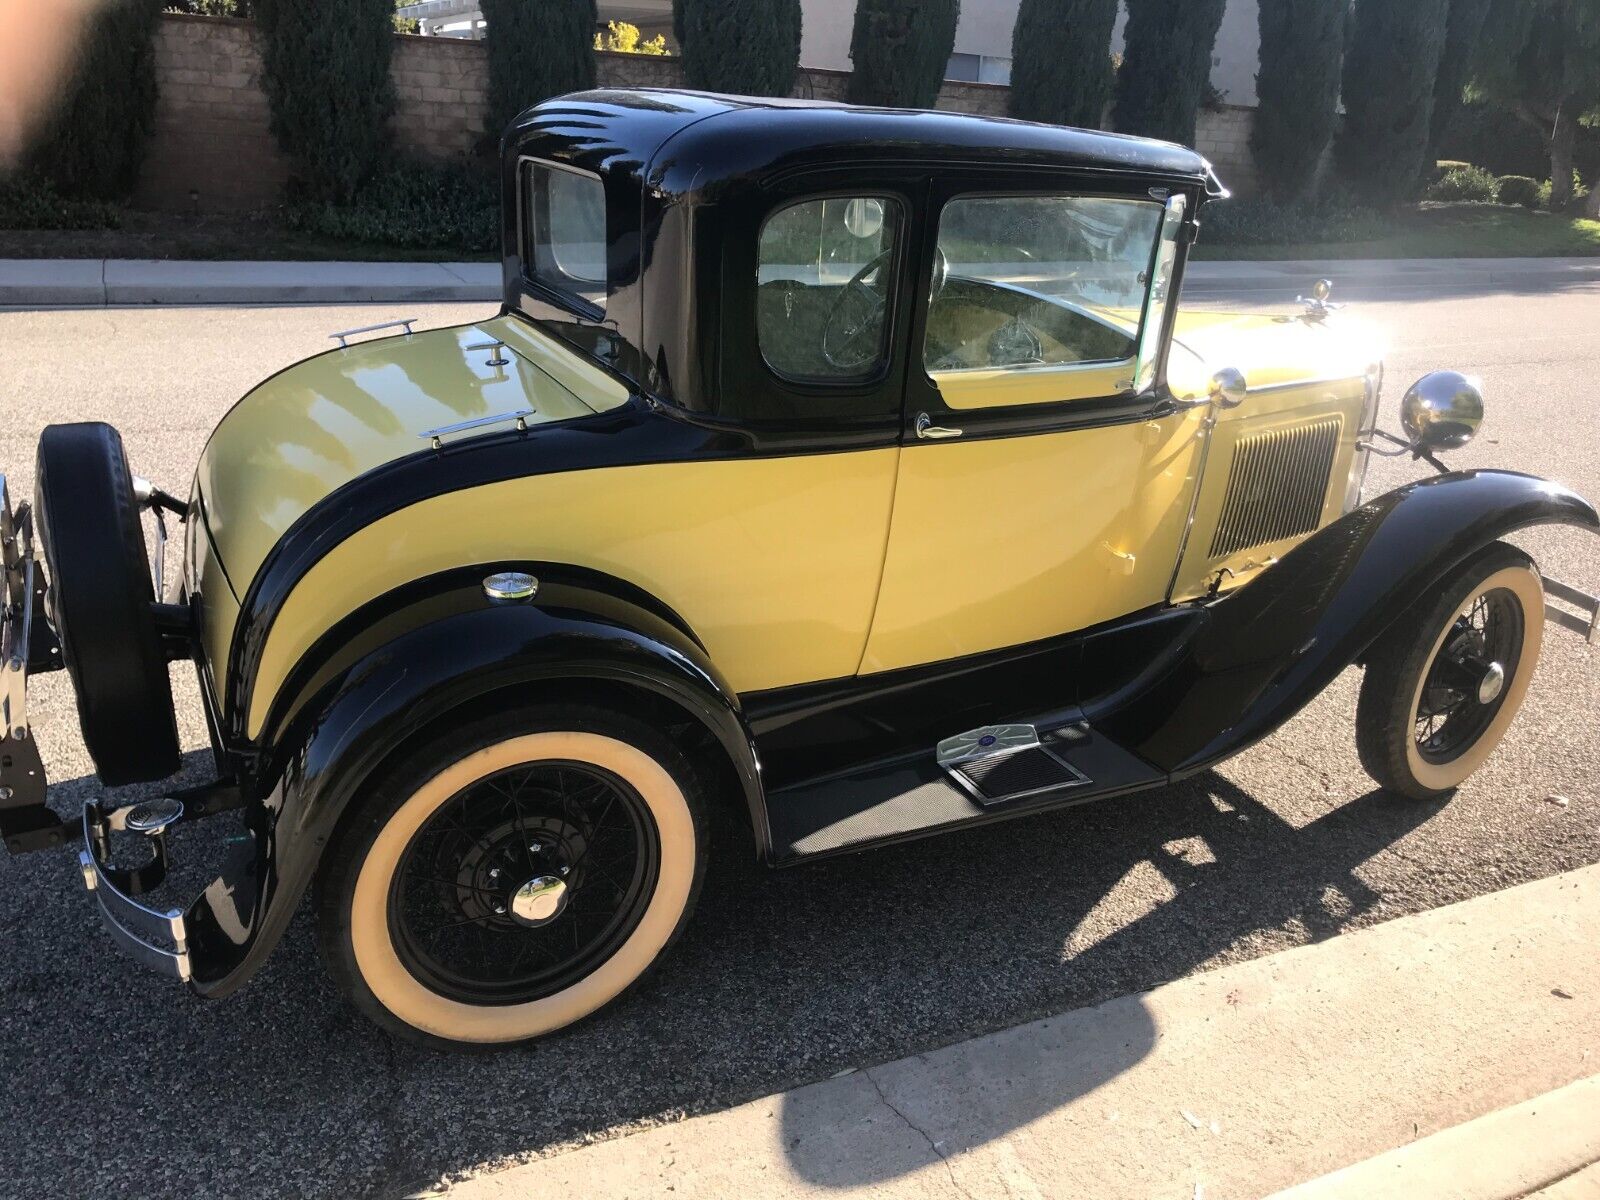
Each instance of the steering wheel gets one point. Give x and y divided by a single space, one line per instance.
851 333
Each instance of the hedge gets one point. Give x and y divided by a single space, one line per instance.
1061 61
747 47
1302 50
93 143
326 75
537 49
1519 189
899 50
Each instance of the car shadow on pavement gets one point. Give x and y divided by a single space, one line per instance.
1230 870
782 979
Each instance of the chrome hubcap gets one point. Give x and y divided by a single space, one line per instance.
539 901
1492 684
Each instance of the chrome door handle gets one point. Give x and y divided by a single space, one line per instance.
929 432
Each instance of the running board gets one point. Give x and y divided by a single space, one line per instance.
964 782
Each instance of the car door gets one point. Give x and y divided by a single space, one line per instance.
1047 476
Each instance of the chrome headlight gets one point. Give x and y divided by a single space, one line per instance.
1442 411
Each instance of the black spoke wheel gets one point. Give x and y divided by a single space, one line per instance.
1444 684
513 876
455 905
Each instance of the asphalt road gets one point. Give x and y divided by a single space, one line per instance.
114 1082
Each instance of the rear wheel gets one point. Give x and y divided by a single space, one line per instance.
1444 685
513 878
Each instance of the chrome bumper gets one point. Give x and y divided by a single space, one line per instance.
144 932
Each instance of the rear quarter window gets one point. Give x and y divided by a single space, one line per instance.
564 231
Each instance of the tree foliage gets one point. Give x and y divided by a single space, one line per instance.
1389 76
899 50
1061 61
93 141
537 49
1166 67
1302 51
326 75
624 37
747 47
1540 59
1464 27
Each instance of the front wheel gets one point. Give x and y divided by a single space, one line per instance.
1444 685
513 877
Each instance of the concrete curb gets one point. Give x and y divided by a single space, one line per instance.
1512 1152
1233 1083
40 283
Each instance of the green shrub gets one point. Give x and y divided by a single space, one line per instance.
1466 185
1166 67
93 142
1302 47
1579 194
29 201
411 204
537 49
1061 61
1265 222
899 50
326 75
1519 189
747 47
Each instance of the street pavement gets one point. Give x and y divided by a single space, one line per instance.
119 1083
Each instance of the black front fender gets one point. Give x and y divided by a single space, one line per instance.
391 674
1261 653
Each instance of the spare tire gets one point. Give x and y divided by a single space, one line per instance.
100 600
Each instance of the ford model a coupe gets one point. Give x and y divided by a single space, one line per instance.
852 467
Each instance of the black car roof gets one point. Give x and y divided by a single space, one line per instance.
691 141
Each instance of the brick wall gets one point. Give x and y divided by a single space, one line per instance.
212 150
1223 136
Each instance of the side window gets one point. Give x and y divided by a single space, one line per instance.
564 231
824 273
1028 283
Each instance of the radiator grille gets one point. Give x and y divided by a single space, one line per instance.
1277 486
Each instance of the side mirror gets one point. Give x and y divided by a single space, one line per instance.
1442 411
1228 388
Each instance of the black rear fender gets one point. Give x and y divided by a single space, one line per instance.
406 667
1257 656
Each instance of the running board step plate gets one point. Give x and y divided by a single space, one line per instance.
1001 763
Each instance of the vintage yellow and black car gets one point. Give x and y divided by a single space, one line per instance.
854 468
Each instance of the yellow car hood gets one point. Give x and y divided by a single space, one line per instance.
308 430
1271 351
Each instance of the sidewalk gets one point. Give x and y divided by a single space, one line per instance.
33 283
1232 1084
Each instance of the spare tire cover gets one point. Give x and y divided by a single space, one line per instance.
100 599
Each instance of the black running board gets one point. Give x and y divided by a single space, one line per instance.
913 796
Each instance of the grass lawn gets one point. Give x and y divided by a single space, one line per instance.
1445 231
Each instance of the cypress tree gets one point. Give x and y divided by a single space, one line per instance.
93 142
1061 61
1166 67
537 49
1302 48
1462 32
748 47
899 50
326 75
1389 77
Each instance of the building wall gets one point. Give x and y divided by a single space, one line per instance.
212 149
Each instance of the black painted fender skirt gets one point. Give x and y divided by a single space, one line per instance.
1264 651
